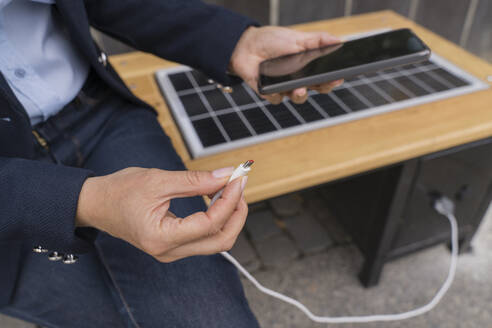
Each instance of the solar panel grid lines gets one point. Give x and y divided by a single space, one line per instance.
418 82
373 95
213 121
431 82
294 112
340 103
449 85
316 106
398 85
375 77
359 96
212 89
392 90
378 90
207 105
262 105
240 114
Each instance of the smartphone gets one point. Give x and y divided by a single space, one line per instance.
341 61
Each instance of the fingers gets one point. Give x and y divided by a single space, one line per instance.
223 208
193 183
221 241
325 39
275 98
311 40
203 224
298 96
327 87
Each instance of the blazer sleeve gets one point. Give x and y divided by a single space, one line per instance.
38 203
186 31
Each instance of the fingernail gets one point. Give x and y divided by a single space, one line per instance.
339 83
301 93
243 182
223 172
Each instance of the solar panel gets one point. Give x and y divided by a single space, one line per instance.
213 121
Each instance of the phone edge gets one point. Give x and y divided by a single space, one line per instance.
345 73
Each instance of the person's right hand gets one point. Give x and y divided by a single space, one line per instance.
261 43
291 64
132 204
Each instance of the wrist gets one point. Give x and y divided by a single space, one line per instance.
89 204
243 48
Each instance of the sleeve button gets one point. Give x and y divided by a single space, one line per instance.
55 256
39 249
70 259
103 59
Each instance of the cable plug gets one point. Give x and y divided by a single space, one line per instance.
241 171
444 205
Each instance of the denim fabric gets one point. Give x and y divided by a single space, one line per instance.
117 285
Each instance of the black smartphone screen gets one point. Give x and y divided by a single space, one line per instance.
341 56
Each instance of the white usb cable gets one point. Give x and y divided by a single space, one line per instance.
443 205
241 171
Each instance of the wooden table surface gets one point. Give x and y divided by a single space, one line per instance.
301 161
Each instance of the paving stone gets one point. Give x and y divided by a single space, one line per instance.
327 284
277 251
261 225
308 233
253 266
287 205
316 205
245 254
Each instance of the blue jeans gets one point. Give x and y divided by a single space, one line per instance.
117 285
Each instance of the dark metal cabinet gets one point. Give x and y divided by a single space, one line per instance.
388 212
463 174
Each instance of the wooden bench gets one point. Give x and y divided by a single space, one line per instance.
318 157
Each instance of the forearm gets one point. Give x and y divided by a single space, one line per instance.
94 208
88 206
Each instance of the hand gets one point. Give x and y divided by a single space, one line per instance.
259 44
132 204
292 64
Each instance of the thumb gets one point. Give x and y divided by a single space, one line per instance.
193 183
312 40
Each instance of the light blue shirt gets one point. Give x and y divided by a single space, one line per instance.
37 58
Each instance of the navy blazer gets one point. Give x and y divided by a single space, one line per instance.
187 31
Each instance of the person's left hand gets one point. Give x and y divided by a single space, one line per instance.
259 44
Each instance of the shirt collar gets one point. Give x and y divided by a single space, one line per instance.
3 3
